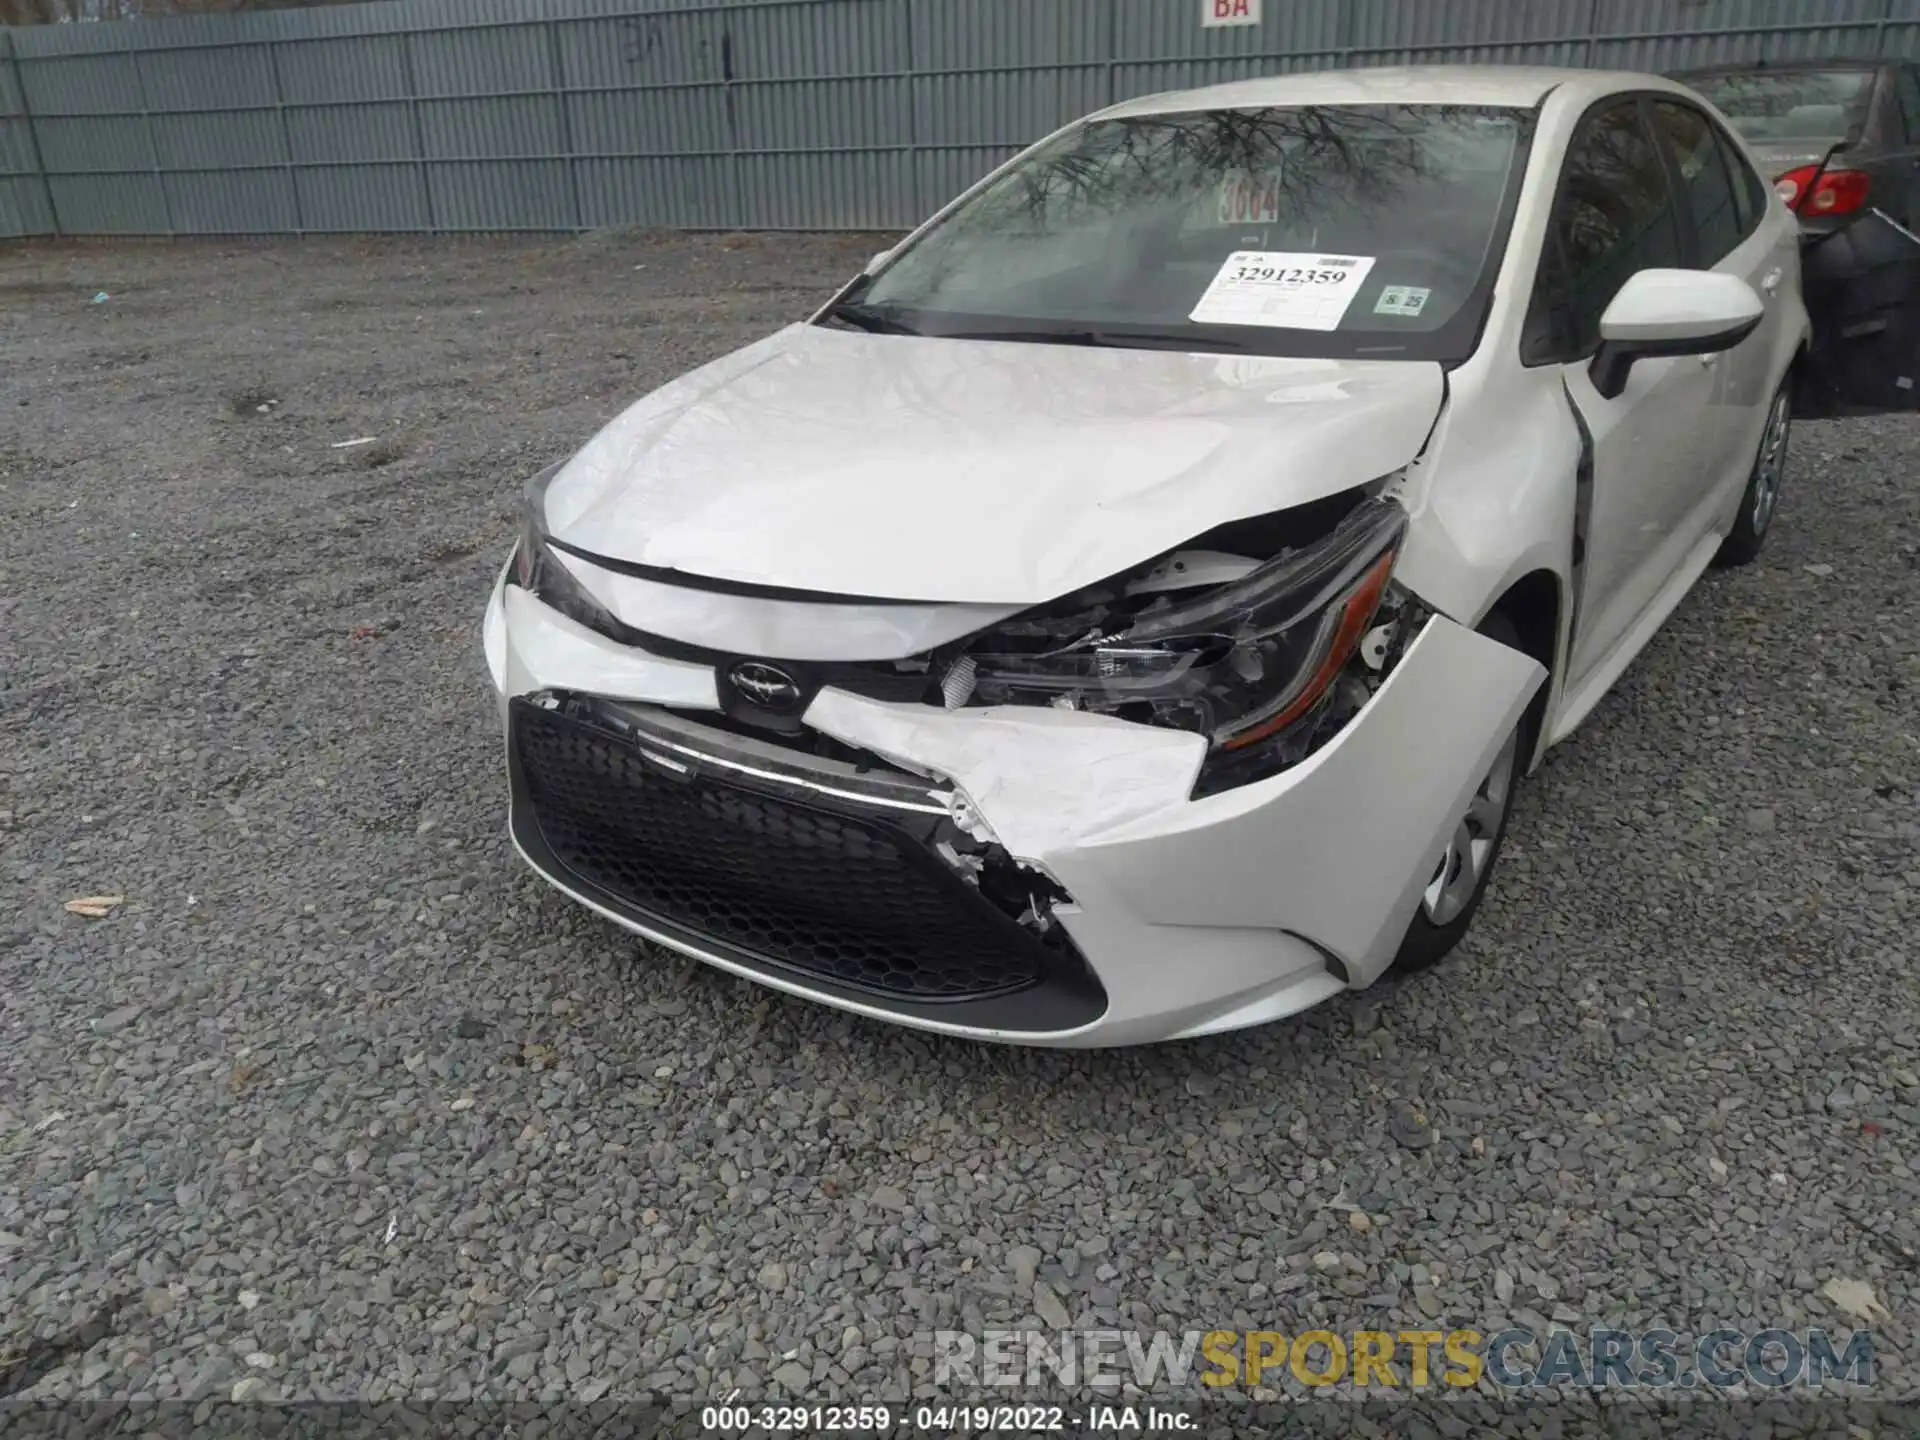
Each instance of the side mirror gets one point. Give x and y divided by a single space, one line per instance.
1671 312
879 259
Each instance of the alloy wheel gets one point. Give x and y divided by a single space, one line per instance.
1470 851
1772 462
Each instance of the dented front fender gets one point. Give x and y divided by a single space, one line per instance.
1334 851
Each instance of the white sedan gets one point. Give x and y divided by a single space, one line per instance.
1126 610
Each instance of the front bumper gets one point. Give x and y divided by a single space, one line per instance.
1181 917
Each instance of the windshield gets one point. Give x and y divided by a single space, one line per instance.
1785 107
1353 230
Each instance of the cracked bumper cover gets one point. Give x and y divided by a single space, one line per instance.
1194 915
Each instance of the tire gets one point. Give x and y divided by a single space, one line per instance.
1761 499
1445 911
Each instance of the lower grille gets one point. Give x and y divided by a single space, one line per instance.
852 895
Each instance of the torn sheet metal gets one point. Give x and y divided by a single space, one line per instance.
1042 778
1337 849
1334 851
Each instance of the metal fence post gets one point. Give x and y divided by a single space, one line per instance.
1592 25
153 143
1113 52
557 73
286 136
916 205
33 133
414 130
730 99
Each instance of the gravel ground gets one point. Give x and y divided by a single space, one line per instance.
341 1102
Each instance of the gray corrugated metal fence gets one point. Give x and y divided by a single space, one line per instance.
445 115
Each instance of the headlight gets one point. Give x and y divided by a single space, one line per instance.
1249 664
537 570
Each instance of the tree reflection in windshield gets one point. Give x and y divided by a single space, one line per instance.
1121 224
1157 162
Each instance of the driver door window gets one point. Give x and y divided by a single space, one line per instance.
1614 214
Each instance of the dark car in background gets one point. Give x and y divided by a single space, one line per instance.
1840 141
1791 114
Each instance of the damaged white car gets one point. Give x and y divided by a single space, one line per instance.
1126 610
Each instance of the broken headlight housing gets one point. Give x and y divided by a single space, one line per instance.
1255 664
540 572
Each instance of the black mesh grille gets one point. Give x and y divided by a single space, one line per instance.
851 898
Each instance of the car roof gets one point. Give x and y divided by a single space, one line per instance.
1511 85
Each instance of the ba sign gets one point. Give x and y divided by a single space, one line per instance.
1229 12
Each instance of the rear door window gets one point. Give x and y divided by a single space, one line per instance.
1750 192
1713 201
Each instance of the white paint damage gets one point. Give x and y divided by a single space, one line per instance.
1042 778
978 472
1241 893
1334 850
1338 848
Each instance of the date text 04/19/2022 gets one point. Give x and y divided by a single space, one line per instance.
941 1419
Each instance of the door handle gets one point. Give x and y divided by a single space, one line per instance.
1771 282
1706 361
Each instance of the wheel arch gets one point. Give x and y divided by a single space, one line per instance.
1810 398
1535 606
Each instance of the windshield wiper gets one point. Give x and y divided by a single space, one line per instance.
1104 339
875 319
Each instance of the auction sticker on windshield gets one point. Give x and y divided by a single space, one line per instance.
1284 289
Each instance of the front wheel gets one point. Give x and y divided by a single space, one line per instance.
1459 882
1757 505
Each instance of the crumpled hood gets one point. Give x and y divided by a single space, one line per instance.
911 468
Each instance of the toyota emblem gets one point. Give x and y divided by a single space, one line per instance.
765 685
